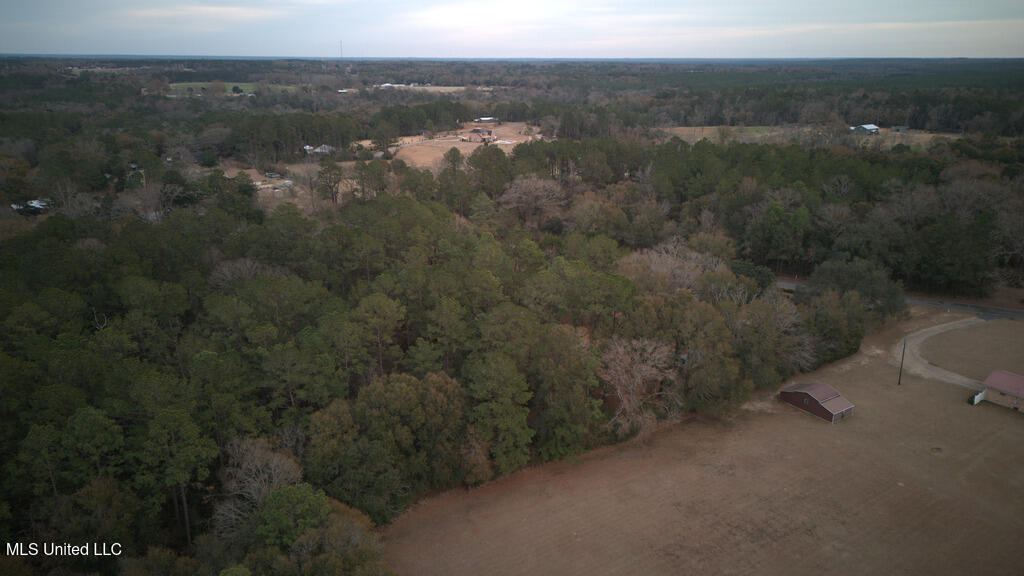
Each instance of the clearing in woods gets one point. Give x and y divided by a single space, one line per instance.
886 138
428 153
916 482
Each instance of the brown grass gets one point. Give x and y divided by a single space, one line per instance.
977 350
917 139
444 89
916 482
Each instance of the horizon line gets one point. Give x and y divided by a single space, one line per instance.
511 58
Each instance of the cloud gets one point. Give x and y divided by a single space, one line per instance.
522 28
529 27
197 17
972 38
196 12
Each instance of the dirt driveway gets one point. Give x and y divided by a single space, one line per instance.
915 363
916 482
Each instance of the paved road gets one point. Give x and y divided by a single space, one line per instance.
984 312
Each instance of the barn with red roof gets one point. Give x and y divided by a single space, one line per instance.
819 399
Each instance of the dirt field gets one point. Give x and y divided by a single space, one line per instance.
916 482
423 153
977 350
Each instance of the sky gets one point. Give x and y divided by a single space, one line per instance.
517 28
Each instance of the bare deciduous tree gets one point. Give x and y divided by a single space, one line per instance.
641 376
253 471
69 201
227 271
834 219
672 266
839 188
475 458
532 199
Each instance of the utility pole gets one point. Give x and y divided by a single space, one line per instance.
899 382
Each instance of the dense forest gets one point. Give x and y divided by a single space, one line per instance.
226 390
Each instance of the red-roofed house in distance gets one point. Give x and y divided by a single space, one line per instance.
1005 388
819 399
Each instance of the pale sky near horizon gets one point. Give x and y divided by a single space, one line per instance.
517 28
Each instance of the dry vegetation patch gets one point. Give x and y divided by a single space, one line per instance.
977 350
885 139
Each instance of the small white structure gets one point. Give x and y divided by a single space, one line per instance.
37 206
321 149
485 119
865 129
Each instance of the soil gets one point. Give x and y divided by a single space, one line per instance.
915 482
421 152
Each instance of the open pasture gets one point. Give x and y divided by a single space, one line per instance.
916 482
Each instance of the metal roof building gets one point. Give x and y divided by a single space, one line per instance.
819 399
865 129
1005 388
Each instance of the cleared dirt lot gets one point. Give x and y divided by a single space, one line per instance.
424 153
916 482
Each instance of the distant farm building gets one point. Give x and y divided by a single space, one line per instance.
484 135
819 399
321 149
1003 388
485 120
37 206
865 129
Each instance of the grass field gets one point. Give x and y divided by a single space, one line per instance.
917 140
971 351
181 88
445 89
916 482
